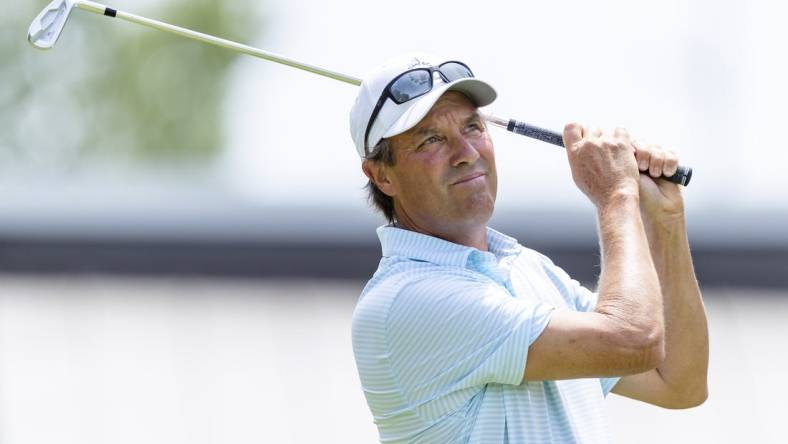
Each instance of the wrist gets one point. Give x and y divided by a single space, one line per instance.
664 227
663 220
621 197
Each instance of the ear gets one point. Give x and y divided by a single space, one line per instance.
380 176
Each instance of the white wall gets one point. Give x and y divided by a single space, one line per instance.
111 360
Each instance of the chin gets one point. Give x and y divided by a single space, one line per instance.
480 209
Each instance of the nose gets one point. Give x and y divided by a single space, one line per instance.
463 151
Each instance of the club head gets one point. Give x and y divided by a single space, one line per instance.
48 24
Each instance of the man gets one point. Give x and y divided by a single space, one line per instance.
462 334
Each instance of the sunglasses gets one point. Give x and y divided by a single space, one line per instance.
415 83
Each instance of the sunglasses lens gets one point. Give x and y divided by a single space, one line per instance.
410 85
454 71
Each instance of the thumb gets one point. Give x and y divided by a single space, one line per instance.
573 132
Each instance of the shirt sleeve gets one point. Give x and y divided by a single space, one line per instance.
582 298
578 296
447 335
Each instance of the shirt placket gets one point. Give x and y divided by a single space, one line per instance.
487 264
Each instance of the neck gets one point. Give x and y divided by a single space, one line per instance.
471 236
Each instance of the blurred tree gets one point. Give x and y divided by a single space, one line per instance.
113 90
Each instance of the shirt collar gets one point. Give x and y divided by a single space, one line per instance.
421 247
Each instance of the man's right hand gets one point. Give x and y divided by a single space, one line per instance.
603 165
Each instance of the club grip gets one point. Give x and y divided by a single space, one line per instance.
535 132
682 176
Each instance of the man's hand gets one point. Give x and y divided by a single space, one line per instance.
660 200
603 165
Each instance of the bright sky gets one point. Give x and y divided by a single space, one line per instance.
703 78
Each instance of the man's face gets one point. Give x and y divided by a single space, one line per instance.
444 177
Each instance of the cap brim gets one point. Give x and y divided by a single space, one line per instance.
480 92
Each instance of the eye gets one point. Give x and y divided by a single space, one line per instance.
475 126
429 141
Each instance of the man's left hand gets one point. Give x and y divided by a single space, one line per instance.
660 200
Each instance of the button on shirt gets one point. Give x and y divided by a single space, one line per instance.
441 335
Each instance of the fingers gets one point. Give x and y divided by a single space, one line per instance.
623 134
573 133
671 163
655 161
651 159
642 155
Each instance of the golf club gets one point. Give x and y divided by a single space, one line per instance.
49 23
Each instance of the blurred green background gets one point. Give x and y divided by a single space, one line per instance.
135 95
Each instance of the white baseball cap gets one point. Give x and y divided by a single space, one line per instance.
394 118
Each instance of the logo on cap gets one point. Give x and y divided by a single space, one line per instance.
417 62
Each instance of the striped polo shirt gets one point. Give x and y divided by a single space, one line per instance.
441 335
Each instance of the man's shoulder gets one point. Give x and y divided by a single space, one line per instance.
397 274
396 277
418 288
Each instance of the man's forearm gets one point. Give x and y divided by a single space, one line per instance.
628 285
686 332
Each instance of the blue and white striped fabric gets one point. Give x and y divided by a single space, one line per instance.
441 335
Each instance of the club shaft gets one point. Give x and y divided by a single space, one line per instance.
224 43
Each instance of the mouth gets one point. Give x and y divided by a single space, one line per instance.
469 178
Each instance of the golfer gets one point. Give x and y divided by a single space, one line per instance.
464 335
